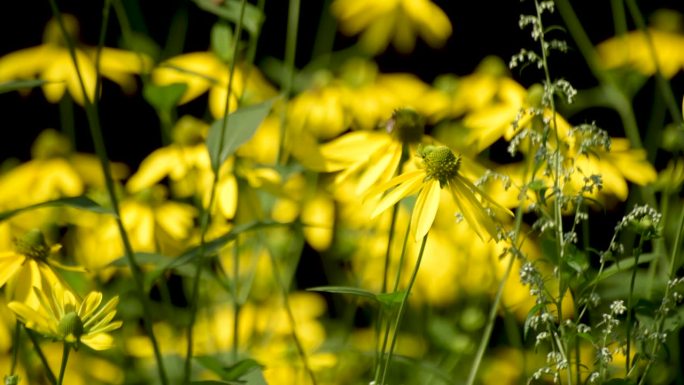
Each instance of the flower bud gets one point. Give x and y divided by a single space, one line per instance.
70 327
407 125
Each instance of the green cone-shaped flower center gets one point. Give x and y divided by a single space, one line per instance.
71 327
440 163
33 245
407 125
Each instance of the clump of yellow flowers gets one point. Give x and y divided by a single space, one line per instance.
391 193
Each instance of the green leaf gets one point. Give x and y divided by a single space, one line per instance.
15 85
533 312
164 98
231 373
80 202
241 126
242 368
222 41
346 290
623 265
386 299
145 258
214 382
391 299
230 10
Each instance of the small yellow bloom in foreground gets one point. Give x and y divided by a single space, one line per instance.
27 268
64 317
441 171
396 20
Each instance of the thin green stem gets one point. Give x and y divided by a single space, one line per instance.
66 118
15 347
630 300
402 309
235 287
41 356
290 53
65 359
619 19
101 151
290 316
325 34
206 213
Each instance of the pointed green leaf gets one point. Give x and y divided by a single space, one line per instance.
230 10
166 97
242 124
345 290
230 373
222 41
15 85
80 202
391 299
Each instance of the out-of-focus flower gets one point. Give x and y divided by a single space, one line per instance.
441 171
52 62
615 166
399 21
64 317
203 71
54 172
632 50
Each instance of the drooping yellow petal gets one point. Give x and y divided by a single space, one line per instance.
89 304
472 210
10 262
100 341
385 166
406 184
425 209
31 318
154 168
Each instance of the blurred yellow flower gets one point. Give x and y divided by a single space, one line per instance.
54 172
441 170
632 50
52 62
203 71
397 20
64 317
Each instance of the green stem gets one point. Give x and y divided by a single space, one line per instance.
206 213
402 309
15 347
101 151
236 299
290 53
325 34
36 346
66 117
637 253
620 20
284 288
65 359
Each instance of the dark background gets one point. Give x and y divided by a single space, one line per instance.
481 28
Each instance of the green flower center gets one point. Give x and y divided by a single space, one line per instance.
440 163
33 245
71 327
407 125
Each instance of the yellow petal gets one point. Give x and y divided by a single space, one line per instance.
154 168
379 168
425 209
318 215
91 302
472 210
9 264
100 341
410 183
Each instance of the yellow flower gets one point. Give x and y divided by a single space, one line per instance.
52 62
27 266
396 20
64 317
632 50
203 71
54 172
616 166
441 170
